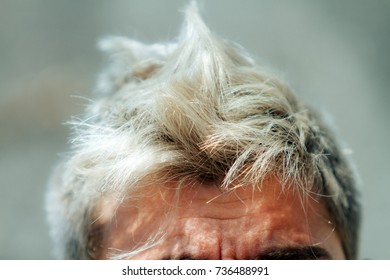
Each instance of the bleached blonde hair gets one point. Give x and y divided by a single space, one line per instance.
195 109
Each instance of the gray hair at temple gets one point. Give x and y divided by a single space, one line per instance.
198 108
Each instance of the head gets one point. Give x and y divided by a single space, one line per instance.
192 150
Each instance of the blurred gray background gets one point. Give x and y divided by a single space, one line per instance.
334 53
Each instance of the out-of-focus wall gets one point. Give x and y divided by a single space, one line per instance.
333 53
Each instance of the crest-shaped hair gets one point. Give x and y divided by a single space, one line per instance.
195 109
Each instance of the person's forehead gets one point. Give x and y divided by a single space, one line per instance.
209 200
200 214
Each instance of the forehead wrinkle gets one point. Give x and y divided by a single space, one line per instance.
189 239
264 218
269 235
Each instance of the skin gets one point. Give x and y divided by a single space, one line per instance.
204 223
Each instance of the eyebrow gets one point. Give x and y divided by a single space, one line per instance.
184 256
294 253
284 253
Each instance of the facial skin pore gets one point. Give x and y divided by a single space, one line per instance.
201 222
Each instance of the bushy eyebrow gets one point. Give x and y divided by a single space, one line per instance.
294 253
